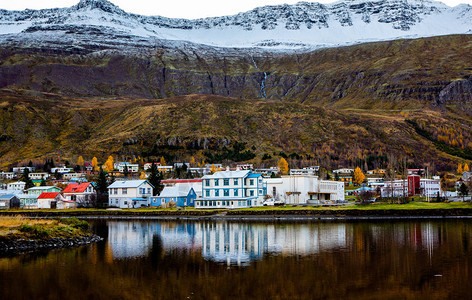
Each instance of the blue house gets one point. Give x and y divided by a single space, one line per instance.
182 197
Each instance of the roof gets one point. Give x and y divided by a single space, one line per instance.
254 175
76 187
182 181
173 191
7 196
42 188
228 174
48 195
127 183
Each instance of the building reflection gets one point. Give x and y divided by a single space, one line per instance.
226 242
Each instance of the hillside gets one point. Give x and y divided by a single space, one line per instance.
432 73
35 125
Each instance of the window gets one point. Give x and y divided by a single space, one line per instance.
207 182
226 193
216 182
251 181
124 191
217 193
251 193
274 191
260 192
235 182
126 203
225 181
235 193
207 193
149 190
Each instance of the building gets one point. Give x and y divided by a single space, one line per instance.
180 196
245 167
61 170
343 171
303 172
49 200
232 189
9 201
7 175
38 176
305 189
147 166
21 170
80 193
129 193
121 166
412 186
69 176
38 190
268 172
28 201
16 186
186 184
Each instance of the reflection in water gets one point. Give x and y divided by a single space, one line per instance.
227 242
201 260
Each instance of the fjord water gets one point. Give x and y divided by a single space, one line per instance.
231 260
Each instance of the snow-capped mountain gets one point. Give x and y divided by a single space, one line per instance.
304 25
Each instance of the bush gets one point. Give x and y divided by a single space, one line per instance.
75 223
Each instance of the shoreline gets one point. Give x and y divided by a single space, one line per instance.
22 246
254 215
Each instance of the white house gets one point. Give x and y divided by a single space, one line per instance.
38 176
49 200
232 189
22 169
132 168
305 189
61 170
16 186
408 188
343 171
68 176
7 175
147 166
129 193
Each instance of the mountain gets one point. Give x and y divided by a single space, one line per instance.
302 26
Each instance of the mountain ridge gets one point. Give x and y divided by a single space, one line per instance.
304 25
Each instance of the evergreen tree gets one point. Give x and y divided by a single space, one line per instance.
43 181
126 171
26 179
464 190
102 188
155 180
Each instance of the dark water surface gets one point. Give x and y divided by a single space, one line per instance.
229 260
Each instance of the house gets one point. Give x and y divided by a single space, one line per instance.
49 200
80 193
412 186
268 172
305 171
121 166
147 166
186 184
181 196
69 176
129 193
232 189
28 201
38 190
16 186
61 170
343 171
9 201
305 189
38 176
7 175
21 170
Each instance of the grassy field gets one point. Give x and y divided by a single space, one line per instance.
38 229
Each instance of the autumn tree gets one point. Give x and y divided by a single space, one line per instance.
466 167
163 161
283 166
213 169
109 164
192 161
80 162
359 177
95 164
459 169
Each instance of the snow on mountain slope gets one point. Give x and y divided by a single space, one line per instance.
299 26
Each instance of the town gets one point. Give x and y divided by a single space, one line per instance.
127 185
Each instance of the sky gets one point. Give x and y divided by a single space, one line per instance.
189 9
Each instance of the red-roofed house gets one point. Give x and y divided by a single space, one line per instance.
81 193
49 200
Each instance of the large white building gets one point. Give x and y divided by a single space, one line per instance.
129 193
16 186
232 189
305 189
410 187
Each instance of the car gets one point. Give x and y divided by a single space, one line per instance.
272 202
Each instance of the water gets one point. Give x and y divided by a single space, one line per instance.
229 260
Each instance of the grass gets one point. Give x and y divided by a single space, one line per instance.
38 229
